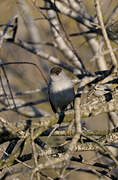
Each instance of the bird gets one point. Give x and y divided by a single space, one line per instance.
60 90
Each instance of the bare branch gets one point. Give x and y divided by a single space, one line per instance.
100 19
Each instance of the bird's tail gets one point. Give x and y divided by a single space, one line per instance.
61 117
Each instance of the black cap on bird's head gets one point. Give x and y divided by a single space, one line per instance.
55 70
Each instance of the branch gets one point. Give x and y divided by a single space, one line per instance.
100 19
60 40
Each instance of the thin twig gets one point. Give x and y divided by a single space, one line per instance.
34 154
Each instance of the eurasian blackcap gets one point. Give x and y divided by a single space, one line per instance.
60 89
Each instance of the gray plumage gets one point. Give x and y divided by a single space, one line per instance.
60 89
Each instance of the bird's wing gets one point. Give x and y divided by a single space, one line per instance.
53 108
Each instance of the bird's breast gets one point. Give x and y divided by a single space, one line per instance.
61 86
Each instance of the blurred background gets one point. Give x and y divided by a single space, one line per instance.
24 77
